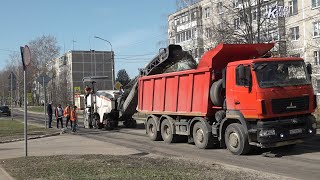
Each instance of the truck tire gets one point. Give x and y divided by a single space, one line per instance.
108 125
202 139
216 93
152 132
98 124
236 139
130 123
166 132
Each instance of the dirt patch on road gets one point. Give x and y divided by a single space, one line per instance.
115 167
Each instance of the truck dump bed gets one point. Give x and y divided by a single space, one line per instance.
187 92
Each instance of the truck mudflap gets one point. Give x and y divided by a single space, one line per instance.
282 132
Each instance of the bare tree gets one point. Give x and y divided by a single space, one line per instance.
241 21
43 50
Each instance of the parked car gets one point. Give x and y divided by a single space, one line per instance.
4 110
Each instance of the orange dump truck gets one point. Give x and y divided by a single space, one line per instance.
235 98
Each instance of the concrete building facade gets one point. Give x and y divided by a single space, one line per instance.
73 66
293 24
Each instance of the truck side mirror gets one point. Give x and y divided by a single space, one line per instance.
309 68
242 72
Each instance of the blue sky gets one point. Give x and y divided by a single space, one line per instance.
133 27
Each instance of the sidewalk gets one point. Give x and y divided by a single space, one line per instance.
60 145
4 175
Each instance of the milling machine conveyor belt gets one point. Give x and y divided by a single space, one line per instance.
158 65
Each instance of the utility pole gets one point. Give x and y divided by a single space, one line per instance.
44 103
73 41
26 59
11 78
112 60
44 80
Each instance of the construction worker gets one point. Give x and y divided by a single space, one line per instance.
73 118
59 115
66 113
87 90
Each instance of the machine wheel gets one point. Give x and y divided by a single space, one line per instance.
108 125
166 132
151 129
98 124
202 139
130 123
217 93
236 139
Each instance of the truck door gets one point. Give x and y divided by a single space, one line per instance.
244 93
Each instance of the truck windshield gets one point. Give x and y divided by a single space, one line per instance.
283 73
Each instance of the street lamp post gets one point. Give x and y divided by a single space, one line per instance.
112 57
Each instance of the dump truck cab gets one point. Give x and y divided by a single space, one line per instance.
273 98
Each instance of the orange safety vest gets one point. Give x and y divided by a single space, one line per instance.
73 115
67 111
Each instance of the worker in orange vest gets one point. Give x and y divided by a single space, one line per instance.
66 113
73 118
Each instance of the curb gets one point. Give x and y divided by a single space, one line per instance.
35 137
32 112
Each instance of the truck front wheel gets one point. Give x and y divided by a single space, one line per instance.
236 139
166 132
202 139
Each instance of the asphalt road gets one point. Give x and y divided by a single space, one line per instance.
301 162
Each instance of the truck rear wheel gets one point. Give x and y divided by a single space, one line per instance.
166 132
152 132
202 139
236 139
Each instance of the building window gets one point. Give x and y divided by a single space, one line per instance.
293 7
194 15
193 32
295 55
177 38
316 28
220 8
254 14
237 23
316 57
273 35
207 12
208 33
315 3
236 3
188 34
294 32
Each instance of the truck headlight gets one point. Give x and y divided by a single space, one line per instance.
269 132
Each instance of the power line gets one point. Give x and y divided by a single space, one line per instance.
139 42
135 55
8 50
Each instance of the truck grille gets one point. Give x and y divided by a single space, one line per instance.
287 105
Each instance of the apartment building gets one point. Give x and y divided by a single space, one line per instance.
185 28
293 24
303 26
